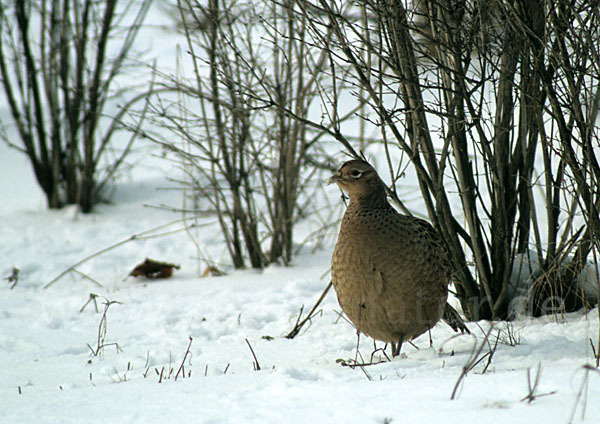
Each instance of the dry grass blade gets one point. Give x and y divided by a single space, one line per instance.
92 299
181 369
299 324
102 330
596 353
509 336
532 387
255 364
581 395
475 358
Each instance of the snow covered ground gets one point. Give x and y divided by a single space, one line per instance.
49 375
236 324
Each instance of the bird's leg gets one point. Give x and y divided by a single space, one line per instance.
397 346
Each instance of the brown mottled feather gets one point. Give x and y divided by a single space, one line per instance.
390 271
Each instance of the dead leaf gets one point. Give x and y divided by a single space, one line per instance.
153 269
212 270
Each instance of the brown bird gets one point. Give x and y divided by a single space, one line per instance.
390 271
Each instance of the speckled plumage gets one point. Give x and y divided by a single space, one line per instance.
390 271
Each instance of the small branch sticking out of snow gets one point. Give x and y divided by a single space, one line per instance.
532 387
595 352
299 324
102 329
92 298
583 390
166 372
476 357
181 367
255 363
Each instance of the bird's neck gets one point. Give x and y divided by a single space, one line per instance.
373 198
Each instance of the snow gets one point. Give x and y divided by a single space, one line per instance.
48 374
526 268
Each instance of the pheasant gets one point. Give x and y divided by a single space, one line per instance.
390 271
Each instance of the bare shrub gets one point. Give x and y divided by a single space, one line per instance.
58 64
496 110
239 125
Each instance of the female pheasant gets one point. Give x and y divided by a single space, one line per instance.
390 271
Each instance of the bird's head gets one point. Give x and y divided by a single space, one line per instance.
359 180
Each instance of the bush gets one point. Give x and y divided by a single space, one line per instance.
239 126
58 62
490 105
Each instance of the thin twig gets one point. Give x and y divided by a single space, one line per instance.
583 388
102 329
474 359
92 298
595 353
84 275
532 387
255 364
352 363
181 366
298 326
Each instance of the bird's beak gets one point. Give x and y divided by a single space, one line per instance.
334 178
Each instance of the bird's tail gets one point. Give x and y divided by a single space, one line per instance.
454 320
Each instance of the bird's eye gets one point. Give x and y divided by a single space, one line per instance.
355 173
